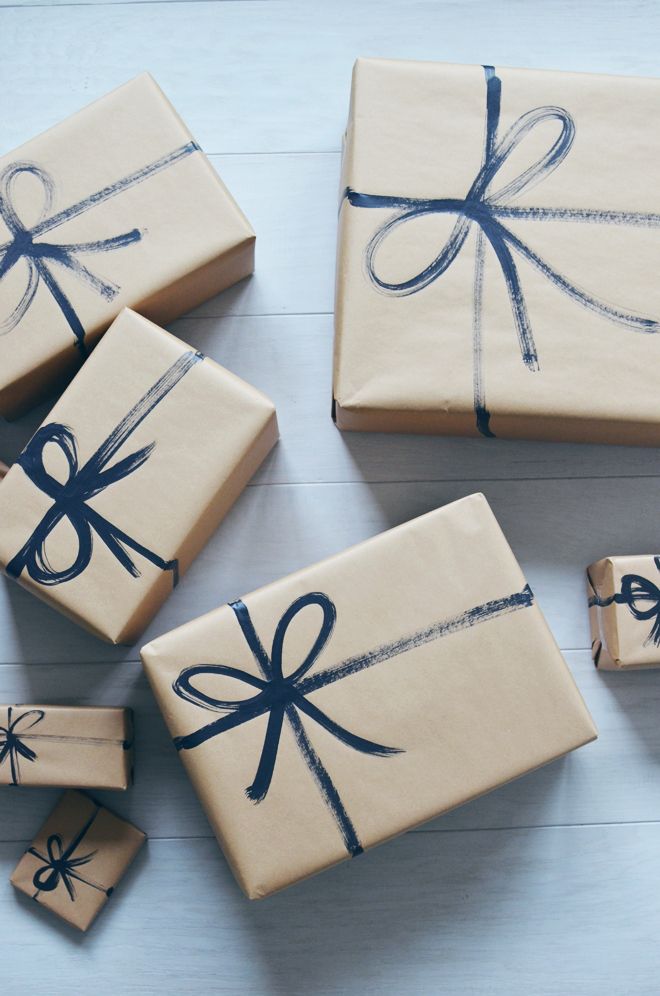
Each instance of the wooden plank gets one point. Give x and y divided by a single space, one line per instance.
556 528
615 780
548 912
264 77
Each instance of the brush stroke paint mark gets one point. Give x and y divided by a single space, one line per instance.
12 740
43 258
281 697
641 596
61 866
486 208
71 498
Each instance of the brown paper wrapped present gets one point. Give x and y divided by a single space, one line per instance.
116 206
132 471
498 237
352 700
76 860
624 612
67 746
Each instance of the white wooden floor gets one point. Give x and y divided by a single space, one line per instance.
549 886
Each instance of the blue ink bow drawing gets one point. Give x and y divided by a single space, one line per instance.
71 498
641 596
485 207
12 747
278 696
41 258
60 865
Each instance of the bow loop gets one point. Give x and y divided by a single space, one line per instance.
329 615
11 745
641 596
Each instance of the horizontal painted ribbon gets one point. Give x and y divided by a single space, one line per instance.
279 696
41 257
71 498
13 736
60 865
486 208
641 596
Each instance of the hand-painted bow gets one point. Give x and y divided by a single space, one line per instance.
71 498
60 865
40 257
279 696
484 207
11 746
641 596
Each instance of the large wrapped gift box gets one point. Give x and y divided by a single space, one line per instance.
352 700
76 860
624 612
129 475
498 237
116 206
67 746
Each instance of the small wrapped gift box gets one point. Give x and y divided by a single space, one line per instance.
117 206
131 472
76 860
498 238
624 612
67 746
355 699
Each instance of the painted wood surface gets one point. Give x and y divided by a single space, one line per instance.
548 886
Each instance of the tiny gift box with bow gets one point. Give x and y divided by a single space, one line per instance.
624 612
67 746
499 232
352 700
115 207
76 860
129 475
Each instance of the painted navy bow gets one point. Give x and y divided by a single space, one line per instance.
278 696
71 498
61 866
12 748
641 596
26 244
485 207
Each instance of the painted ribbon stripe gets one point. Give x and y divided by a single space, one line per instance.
16 732
60 865
279 696
486 208
641 596
41 257
70 499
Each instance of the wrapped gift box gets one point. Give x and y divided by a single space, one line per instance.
498 238
352 700
67 746
76 860
127 478
116 206
624 612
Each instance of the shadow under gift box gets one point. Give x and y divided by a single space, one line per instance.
77 859
362 696
624 612
499 232
66 746
115 207
127 478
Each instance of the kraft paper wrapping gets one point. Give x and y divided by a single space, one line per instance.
116 206
498 237
67 746
76 860
624 612
355 699
127 478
